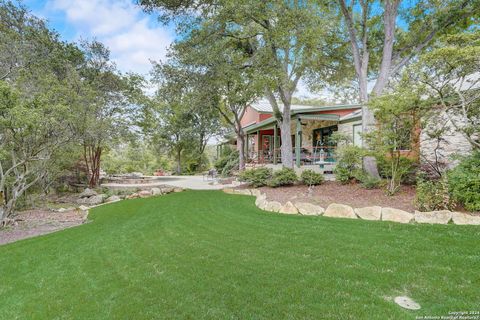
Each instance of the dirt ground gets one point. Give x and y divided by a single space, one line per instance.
33 223
349 194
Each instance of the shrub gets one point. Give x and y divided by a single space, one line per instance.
283 177
405 171
433 195
311 178
227 162
367 181
256 177
464 182
349 161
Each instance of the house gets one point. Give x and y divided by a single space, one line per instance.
311 130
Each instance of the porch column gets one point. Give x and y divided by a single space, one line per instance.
275 139
246 147
298 142
259 142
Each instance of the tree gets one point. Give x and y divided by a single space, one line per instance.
182 117
381 47
450 75
283 38
104 106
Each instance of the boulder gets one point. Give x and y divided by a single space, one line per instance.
113 199
245 192
437 217
87 193
228 190
91 201
336 210
309 209
464 219
273 206
288 208
166 190
369 213
261 203
177 189
255 192
83 208
144 194
156 191
132 196
396 215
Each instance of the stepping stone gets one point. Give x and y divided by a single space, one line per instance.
407 303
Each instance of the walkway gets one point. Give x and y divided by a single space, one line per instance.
186 182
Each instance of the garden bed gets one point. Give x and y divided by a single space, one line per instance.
350 194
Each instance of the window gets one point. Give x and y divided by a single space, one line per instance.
357 135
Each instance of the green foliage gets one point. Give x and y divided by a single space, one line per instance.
433 195
227 162
367 181
404 169
256 177
464 182
283 177
311 178
349 162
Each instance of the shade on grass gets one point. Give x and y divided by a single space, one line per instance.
209 255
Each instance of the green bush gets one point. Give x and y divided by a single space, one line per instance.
433 195
367 181
227 162
349 162
464 182
311 178
283 177
405 172
256 177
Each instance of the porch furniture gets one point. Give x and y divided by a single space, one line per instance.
212 173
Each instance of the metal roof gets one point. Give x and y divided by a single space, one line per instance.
264 106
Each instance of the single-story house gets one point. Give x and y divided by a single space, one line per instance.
311 128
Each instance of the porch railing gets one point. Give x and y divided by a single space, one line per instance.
308 155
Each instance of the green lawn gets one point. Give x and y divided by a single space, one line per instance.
209 255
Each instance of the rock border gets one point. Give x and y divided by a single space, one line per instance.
372 213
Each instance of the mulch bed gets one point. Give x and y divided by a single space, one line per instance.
33 223
350 194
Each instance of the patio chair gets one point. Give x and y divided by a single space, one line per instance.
210 173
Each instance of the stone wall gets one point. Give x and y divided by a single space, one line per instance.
450 143
347 128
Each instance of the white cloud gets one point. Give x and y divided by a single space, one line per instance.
123 28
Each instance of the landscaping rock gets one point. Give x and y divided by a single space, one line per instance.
255 192
261 203
87 193
242 192
336 210
83 208
167 190
437 217
396 215
177 189
144 194
465 219
407 303
228 190
369 213
288 208
309 209
273 206
132 196
113 199
91 201
156 191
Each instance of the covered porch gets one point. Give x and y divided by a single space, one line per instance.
311 134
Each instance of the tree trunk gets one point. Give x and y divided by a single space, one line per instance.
92 162
286 147
179 162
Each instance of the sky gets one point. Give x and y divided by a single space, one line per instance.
134 38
